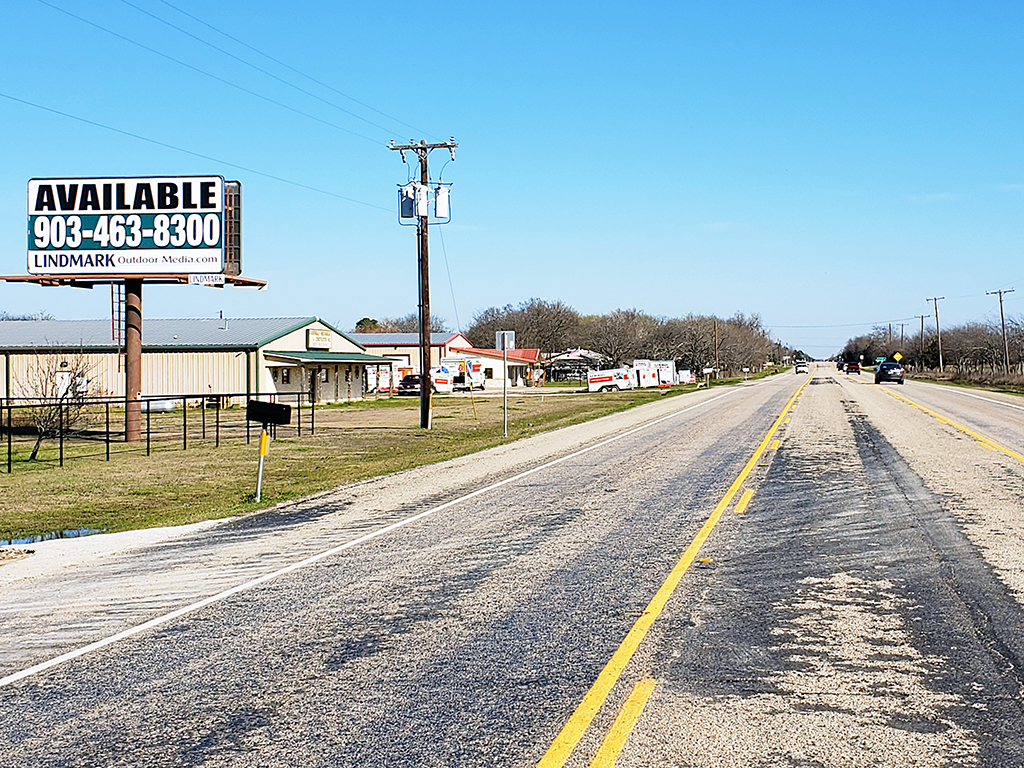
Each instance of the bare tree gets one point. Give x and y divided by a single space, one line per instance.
623 335
551 326
57 385
488 322
407 324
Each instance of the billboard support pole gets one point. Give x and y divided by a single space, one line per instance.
133 360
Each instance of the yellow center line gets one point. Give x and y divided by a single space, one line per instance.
775 445
567 739
987 442
623 725
741 506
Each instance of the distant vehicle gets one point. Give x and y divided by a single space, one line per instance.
467 373
801 367
441 379
889 372
841 365
409 385
853 368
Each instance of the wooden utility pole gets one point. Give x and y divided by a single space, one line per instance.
1002 319
938 331
921 318
422 151
716 348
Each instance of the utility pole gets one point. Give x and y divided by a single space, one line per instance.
422 150
1002 319
921 318
935 300
716 348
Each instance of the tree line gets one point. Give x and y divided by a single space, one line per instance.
694 341
971 348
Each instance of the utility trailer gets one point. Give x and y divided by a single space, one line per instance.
613 379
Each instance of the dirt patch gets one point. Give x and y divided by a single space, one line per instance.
10 554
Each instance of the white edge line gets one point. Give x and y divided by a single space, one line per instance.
986 399
156 622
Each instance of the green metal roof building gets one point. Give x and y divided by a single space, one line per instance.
241 356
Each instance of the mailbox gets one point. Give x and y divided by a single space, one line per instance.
268 413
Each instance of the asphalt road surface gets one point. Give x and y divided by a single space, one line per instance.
806 571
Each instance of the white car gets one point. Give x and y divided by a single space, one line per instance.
801 367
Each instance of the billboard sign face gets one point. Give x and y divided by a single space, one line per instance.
143 225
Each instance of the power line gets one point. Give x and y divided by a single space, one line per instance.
293 69
847 325
207 74
451 286
195 154
250 64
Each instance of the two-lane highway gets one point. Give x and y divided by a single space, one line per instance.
772 574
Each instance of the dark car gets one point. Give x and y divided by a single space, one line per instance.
889 372
853 368
409 385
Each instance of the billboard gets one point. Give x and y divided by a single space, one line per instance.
139 225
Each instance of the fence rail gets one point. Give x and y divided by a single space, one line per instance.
92 427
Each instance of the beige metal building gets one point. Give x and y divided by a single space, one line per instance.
240 356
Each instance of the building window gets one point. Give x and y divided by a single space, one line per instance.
488 373
323 375
286 376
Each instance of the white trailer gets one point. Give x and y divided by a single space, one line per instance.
666 372
645 374
612 379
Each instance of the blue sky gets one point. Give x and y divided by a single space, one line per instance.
828 166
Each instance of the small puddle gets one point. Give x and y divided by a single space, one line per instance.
71 533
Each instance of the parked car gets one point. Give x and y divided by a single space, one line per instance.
409 385
853 368
801 367
889 372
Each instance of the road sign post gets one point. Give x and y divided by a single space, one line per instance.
266 414
505 340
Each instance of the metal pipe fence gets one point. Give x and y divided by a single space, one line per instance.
94 427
